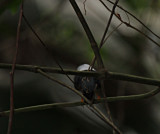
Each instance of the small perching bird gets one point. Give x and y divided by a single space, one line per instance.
87 85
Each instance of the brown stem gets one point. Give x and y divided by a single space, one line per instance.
89 33
12 74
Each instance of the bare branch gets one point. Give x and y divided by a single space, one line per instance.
94 44
108 121
129 25
108 24
101 43
106 74
135 19
112 32
63 84
44 45
12 73
81 95
133 78
94 59
89 33
79 103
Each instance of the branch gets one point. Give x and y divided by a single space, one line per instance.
109 22
108 75
33 68
44 45
79 103
107 120
101 43
95 48
136 19
12 73
63 84
112 32
129 25
89 33
133 78
94 59
81 95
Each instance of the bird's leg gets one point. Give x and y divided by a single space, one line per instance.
98 97
82 100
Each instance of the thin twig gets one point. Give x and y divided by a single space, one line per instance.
107 120
112 32
127 17
94 59
92 110
101 43
106 30
130 26
79 103
92 64
84 5
107 74
63 84
12 73
45 46
108 24
136 19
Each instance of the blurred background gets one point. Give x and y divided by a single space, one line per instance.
126 51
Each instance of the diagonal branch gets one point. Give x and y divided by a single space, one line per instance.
44 45
63 84
89 34
135 19
111 33
103 38
85 99
95 47
108 24
94 59
129 25
101 43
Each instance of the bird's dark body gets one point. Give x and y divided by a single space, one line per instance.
87 85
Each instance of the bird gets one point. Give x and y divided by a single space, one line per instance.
86 85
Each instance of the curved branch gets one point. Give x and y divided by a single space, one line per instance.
79 103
